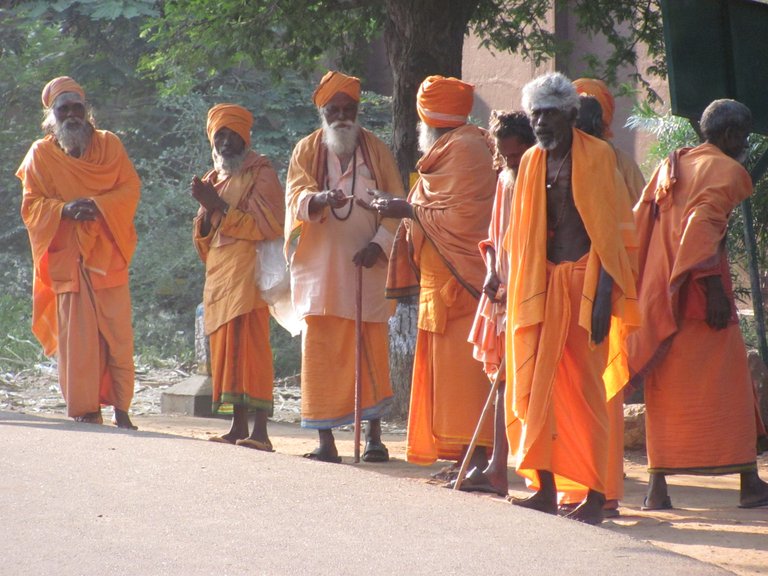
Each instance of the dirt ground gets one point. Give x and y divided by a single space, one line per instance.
705 524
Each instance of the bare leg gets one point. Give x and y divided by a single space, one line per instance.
753 492
239 428
259 432
657 497
327 443
373 431
122 420
496 471
545 500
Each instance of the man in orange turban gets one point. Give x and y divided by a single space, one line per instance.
80 196
330 239
241 206
700 406
629 169
571 300
445 217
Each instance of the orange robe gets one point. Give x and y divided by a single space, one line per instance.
698 389
559 380
323 279
236 318
452 203
614 482
81 303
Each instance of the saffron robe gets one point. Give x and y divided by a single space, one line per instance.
437 252
67 252
698 390
236 318
558 382
323 278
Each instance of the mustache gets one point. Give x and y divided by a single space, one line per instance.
343 124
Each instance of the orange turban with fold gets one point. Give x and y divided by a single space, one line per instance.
444 102
231 116
59 86
599 89
333 83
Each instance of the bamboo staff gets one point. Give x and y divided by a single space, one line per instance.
358 360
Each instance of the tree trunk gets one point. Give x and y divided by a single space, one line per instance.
423 37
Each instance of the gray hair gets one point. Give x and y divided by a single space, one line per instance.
553 90
723 114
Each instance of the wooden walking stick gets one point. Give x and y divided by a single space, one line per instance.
358 360
480 422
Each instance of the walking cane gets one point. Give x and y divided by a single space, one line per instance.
480 422
358 359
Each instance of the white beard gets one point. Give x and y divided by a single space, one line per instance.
507 175
341 136
228 166
73 134
427 137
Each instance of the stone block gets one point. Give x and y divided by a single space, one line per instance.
191 397
634 426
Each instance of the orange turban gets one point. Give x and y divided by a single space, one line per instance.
59 86
333 83
599 89
444 102
231 116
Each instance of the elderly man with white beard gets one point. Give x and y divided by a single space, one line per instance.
328 236
80 196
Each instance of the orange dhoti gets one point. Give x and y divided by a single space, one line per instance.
328 372
449 386
95 347
566 429
699 403
241 363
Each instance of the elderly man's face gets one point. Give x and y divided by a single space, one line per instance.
69 110
228 143
340 108
551 125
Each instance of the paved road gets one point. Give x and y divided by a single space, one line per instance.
83 499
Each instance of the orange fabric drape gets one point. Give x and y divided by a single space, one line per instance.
241 363
532 353
50 179
256 214
328 372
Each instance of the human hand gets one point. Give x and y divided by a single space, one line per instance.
491 284
368 256
82 209
718 304
389 206
601 309
205 194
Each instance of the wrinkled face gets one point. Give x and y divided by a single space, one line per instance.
511 149
340 108
69 110
551 126
228 143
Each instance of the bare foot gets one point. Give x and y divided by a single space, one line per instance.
539 501
90 418
590 511
122 420
754 492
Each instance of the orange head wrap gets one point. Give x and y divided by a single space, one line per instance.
231 116
333 83
59 86
599 89
444 102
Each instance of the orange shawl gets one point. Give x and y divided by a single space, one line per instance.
308 168
50 179
682 219
602 201
452 202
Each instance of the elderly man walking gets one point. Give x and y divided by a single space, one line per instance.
328 237
241 205
571 299
447 215
80 197
698 389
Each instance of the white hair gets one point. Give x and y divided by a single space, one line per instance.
227 165
428 135
722 114
552 90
